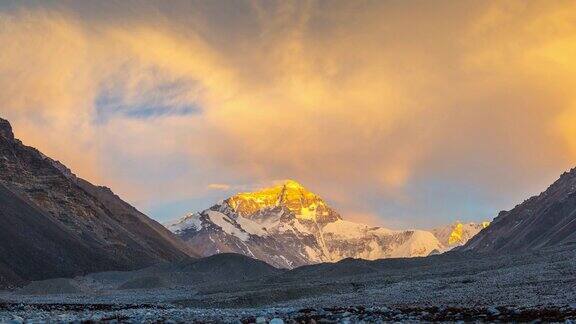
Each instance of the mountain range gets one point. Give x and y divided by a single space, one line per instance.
289 226
55 224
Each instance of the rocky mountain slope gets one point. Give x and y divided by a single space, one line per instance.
289 226
31 243
56 224
546 220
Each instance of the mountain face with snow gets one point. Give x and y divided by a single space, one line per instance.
457 234
289 226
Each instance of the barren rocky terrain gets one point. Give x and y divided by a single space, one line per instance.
449 287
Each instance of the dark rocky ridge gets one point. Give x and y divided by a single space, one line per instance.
546 220
6 129
55 224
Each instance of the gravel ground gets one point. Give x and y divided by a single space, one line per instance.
164 314
455 287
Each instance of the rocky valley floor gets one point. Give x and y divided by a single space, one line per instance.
451 287
138 313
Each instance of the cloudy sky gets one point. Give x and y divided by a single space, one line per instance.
398 113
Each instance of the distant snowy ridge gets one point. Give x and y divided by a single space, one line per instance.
457 234
289 226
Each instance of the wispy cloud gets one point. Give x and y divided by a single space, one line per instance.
219 186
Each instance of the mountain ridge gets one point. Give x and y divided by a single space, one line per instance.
543 220
288 226
106 232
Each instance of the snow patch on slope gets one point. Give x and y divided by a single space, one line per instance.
190 221
349 230
420 243
251 226
227 225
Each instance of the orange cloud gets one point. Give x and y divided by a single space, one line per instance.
347 97
219 186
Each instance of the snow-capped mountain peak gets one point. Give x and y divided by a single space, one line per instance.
287 226
301 202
